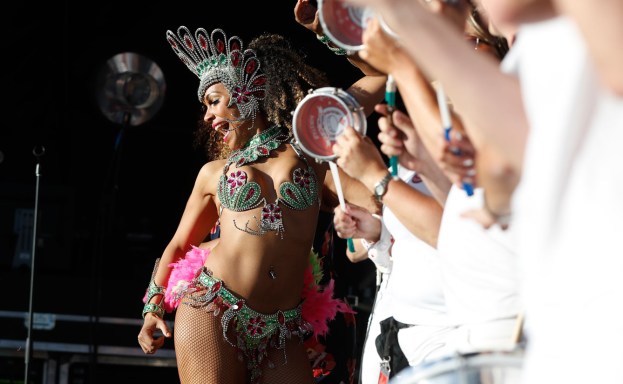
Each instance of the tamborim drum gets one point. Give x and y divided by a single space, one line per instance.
320 118
474 368
343 22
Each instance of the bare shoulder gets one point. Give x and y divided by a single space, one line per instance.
208 175
212 167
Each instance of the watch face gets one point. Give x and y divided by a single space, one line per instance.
379 189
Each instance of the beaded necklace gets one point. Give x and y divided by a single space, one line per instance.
260 145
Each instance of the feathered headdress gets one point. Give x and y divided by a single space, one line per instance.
216 59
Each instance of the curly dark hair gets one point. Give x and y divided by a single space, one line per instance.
289 80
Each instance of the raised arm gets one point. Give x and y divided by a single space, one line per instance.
601 23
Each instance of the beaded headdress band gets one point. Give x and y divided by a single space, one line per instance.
216 59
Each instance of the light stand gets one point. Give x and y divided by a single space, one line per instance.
131 90
38 152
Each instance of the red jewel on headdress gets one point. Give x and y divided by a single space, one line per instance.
235 46
188 41
220 46
203 42
172 42
259 80
235 58
251 65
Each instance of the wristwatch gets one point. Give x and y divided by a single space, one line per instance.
380 188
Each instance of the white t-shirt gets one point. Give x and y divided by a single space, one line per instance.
414 286
480 268
568 209
411 293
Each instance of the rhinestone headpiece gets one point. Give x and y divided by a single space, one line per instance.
216 59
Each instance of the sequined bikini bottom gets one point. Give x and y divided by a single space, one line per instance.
255 332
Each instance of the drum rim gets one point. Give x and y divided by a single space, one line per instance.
331 35
337 94
454 363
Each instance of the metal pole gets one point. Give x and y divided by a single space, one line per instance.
37 152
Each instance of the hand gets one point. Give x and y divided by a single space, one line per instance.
457 159
358 157
483 217
401 139
356 222
380 50
306 14
146 340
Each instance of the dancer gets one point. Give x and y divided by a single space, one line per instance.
243 316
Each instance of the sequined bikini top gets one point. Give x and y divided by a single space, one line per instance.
237 193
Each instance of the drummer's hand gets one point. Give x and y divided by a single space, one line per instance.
306 14
380 50
356 222
358 157
400 138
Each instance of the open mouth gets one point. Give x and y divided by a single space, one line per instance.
225 134
223 128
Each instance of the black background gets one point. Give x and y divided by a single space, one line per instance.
99 230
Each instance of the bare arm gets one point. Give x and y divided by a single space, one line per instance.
421 101
441 52
419 213
601 24
199 217
370 89
197 220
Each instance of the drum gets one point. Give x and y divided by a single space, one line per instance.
474 368
343 22
320 118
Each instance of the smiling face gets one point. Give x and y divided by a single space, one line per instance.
224 119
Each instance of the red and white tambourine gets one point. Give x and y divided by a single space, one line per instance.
343 23
320 118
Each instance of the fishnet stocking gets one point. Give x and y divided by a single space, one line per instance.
204 357
296 371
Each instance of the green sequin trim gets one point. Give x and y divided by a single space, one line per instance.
236 194
260 145
256 327
302 192
153 308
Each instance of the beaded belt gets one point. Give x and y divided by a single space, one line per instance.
254 331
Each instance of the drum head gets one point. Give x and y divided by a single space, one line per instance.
343 22
477 368
321 117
